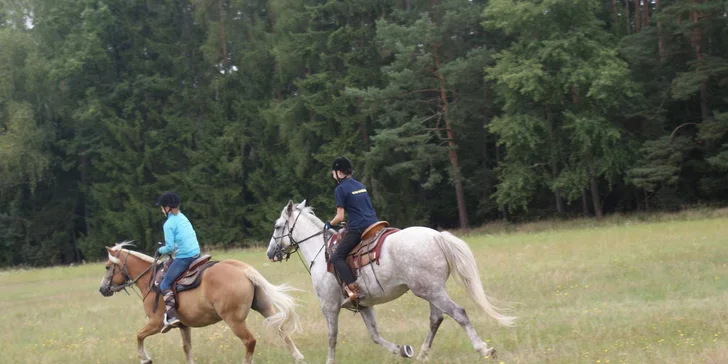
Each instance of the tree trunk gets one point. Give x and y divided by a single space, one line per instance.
364 135
697 43
486 156
84 182
552 159
637 20
222 35
628 17
645 13
557 194
704 109
497 163
453 154
595 193
76 254
660 40
486 120
585 203
647 201
614 14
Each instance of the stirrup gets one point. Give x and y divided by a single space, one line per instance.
170 325
352 300
350 303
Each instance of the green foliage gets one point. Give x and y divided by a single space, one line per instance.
454 112
562 85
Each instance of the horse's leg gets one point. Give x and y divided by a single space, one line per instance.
297 356
442 301
332 319
241 331
187 342
368 315
153 326
435 321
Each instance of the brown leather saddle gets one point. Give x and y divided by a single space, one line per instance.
366 252
189 279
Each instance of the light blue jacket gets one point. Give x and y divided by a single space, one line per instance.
179 235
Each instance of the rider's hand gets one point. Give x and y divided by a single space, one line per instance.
327 226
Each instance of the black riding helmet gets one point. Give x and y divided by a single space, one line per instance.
169 199
342 164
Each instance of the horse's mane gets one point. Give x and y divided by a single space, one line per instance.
306 210
121 246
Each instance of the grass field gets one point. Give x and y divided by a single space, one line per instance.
621 291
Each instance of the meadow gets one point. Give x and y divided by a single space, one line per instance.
625 290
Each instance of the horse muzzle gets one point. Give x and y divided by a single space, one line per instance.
106 291
275 256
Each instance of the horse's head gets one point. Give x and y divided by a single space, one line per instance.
281 243
117 273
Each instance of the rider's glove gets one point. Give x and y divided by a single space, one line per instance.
327 226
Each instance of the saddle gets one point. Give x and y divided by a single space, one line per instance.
364 253
188 280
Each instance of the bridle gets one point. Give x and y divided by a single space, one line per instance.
128 281
294 245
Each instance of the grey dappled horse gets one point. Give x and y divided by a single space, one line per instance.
418 259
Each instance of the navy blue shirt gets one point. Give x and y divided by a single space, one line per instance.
354 198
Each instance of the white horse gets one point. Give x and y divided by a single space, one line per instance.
418 259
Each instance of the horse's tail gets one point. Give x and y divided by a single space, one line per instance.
461 261
285 321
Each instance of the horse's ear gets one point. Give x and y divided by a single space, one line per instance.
301 205
289 208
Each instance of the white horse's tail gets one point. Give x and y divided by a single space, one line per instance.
285 321
461 261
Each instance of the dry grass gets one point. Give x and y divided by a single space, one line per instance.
616 291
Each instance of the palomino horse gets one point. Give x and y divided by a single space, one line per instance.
228 290
417 259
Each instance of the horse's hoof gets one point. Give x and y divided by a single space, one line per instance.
147 361
490 354
406 351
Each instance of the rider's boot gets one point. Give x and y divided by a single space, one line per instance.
170 320
355 295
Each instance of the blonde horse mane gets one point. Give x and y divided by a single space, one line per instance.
120 246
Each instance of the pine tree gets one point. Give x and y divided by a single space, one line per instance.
429 51
562 85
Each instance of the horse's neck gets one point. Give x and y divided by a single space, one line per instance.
311 248
138 267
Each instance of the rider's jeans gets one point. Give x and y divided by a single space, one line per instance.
178 266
